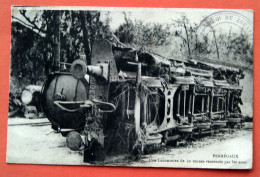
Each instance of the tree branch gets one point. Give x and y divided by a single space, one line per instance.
22 12
26 24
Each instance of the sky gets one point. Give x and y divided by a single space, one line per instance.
154 15
221 21
164 16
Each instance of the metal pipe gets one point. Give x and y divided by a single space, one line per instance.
193 100
137 100
184 103
227 104
202 104
211 104
179 102
94 70
207 106
190 99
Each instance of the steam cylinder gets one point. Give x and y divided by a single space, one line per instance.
65 88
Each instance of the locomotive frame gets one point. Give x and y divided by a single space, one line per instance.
128 100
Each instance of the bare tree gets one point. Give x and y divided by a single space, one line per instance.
215 38
184 23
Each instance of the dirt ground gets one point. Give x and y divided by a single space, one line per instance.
32 141
235 147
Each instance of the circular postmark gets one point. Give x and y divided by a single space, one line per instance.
225 21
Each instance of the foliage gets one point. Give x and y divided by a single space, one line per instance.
40 43
142 35
25 49
189 33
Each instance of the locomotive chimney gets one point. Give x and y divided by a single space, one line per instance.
79 69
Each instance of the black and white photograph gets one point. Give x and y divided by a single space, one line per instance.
135 87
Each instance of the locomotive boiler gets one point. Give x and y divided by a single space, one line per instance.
127 100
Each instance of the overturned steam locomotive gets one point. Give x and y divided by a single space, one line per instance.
128 100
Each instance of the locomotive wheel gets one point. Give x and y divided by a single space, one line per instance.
136 153
212 132
239 125
74 140
135 148
166 136
94 152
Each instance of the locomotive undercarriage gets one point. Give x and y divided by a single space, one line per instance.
160 122
128 103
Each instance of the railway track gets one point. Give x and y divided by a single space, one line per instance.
28 122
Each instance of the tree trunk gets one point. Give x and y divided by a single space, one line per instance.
216 43
188 40
56 60
86 42
196 45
